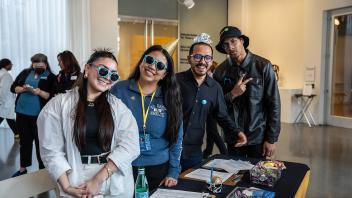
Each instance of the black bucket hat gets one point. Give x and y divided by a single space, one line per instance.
230 31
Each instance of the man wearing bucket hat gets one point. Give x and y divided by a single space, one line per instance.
202 96
251 94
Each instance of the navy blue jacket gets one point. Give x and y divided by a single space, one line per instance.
161 149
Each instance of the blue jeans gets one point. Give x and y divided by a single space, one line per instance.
190 162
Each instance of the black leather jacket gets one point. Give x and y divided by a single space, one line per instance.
257 111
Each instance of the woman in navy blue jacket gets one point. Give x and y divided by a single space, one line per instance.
153 96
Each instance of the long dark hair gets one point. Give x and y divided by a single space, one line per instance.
69 61
171 91
103 109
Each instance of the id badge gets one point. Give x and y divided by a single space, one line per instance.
144 142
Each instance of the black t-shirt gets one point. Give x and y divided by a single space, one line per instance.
92 129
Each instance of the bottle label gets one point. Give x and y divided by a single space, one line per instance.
141 195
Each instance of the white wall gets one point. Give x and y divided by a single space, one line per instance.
104 24
161 9
290 34
275 31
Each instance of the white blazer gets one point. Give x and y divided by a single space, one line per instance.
60 154
7 98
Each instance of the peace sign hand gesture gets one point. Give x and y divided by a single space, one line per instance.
240 86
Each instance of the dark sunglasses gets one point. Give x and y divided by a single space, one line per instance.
199 57
104 72
152 61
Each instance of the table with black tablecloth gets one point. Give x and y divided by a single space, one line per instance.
293 182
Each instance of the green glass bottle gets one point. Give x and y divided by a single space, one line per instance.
141 189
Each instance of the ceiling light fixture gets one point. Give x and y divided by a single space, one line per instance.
188 3
336 21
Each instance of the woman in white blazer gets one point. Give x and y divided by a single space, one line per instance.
88 138
7 98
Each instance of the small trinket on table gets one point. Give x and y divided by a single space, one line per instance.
267 172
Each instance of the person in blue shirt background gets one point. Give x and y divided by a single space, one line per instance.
34 88
154 97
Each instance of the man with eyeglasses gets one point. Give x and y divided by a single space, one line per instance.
251 94
202 96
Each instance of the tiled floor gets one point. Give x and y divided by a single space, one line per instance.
326 150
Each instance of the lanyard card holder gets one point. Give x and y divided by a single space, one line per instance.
144 142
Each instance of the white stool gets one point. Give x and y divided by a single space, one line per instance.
304 101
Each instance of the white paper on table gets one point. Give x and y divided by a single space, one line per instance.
204 174
231 166
168 193
216 163
241 165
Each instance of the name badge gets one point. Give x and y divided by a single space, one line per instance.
144 142
73 77
44 77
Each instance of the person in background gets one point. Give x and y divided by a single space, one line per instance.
251 94
213 136
212 68
69 73
202 96
88 137
154 98
7 99
34 88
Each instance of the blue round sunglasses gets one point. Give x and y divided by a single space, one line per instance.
104 72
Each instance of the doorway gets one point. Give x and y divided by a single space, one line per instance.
137 34
339 68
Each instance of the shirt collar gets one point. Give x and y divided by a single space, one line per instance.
134 87
246 60
208 81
